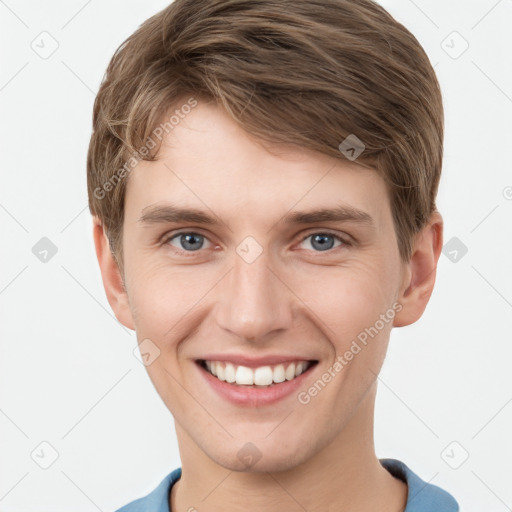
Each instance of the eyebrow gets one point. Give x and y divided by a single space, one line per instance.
157 214
167 213
340 213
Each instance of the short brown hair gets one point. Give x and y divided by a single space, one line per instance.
301 72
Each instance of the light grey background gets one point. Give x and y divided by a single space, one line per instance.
68 376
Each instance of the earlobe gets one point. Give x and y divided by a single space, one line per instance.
117 295
420 273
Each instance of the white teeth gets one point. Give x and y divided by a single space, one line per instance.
279 374
230 373
220 372
290 372
244 376
262 376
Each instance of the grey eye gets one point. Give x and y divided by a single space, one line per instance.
322 241
188 241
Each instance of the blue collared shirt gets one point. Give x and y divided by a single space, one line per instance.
421 497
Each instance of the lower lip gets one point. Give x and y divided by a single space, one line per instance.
254 396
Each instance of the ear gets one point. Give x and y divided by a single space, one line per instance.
419 274
111 276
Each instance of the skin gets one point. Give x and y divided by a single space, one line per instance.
293 299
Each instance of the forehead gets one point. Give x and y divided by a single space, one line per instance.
209 162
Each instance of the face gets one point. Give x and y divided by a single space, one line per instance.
249 282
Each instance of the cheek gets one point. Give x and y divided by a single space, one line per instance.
160 297
347 299
170 303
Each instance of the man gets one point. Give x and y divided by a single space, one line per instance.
262 177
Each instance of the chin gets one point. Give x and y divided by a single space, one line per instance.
254 458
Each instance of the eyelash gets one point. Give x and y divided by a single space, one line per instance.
167 239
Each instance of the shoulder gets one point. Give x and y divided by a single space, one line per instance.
422 496
158 499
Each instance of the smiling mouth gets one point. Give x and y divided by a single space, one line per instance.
260 377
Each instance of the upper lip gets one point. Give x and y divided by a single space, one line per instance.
255 362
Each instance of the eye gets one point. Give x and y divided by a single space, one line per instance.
324 241
187 241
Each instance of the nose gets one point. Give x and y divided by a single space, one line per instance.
254 302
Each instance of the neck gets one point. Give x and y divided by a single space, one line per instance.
344 475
